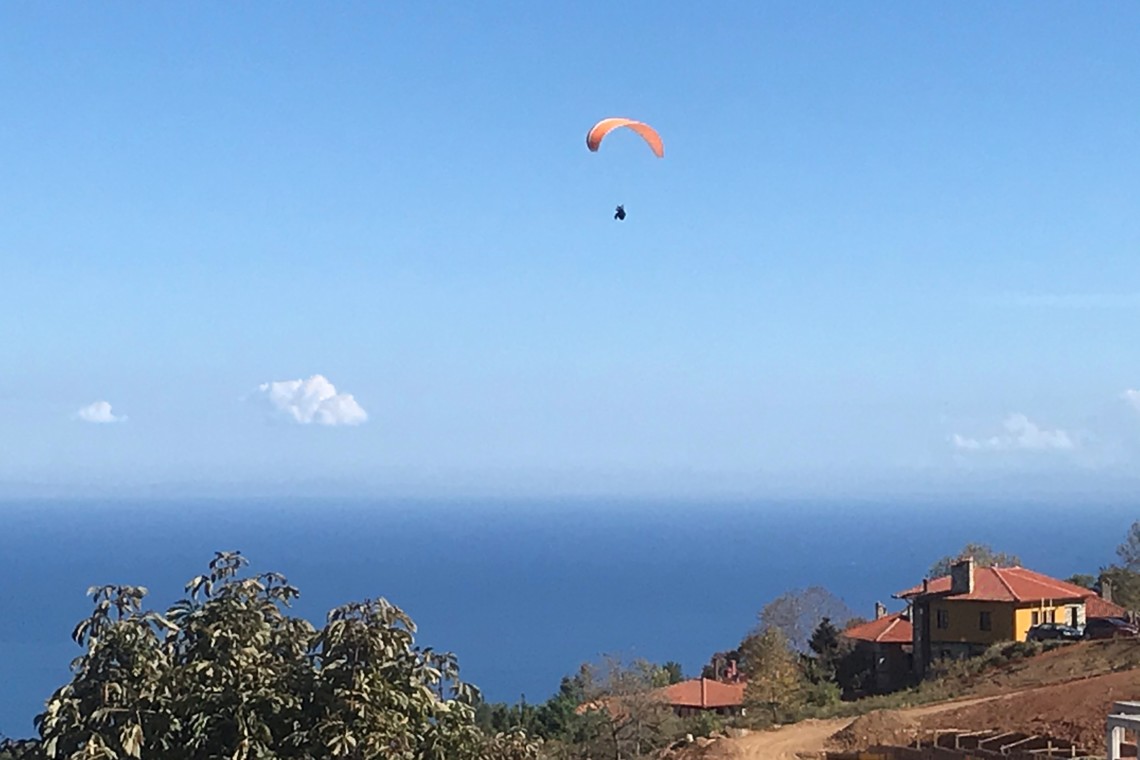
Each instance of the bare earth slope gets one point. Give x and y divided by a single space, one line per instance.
1073 711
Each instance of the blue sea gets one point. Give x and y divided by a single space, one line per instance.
522 592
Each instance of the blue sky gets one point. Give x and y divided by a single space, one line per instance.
890 245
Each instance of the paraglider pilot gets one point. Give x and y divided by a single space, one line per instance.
619 213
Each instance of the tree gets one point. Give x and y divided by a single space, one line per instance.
827 647
226 673
1129 550
983 554
558 716
1083 580
797 613
573 731
775 681
1124 579
836 667
855 671
672 673
632 718
509 745
19 749
1125 586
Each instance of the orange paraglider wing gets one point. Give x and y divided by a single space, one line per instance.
605 126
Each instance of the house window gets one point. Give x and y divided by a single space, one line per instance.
943 618
1052 616
1035 618
985 621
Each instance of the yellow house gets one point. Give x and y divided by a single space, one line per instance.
961 614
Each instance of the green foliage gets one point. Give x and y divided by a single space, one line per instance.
671 673
1083 580
20 749
558 716
626 719
1129 550
509 745
836 666
555 718
1125 586
949 679
855 672
1125 577
983 554
828 649
1005 653
775 679
608 710
226 673
820 694
705 723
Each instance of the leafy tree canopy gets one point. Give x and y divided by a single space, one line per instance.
20 749
797 614
983 554
227 673
1125 586
827 647
1083 580
670 673
1129 550
624 716
775 680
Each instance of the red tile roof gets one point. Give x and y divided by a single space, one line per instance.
703 693
892 629
1004 584
1095 607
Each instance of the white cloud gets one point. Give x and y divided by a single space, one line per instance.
99 411
1132 397
313 400
1020 433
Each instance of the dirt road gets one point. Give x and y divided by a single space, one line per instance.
811 735
780 744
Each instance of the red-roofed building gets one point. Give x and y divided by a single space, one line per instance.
961 614
685 698
997 584
704 695
1096 607
888 642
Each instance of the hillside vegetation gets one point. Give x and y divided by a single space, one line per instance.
1063 693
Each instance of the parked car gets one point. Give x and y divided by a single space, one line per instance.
1110 628
1053 632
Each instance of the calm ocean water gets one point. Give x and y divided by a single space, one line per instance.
522 592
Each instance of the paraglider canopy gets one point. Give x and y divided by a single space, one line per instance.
619 213
605 126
